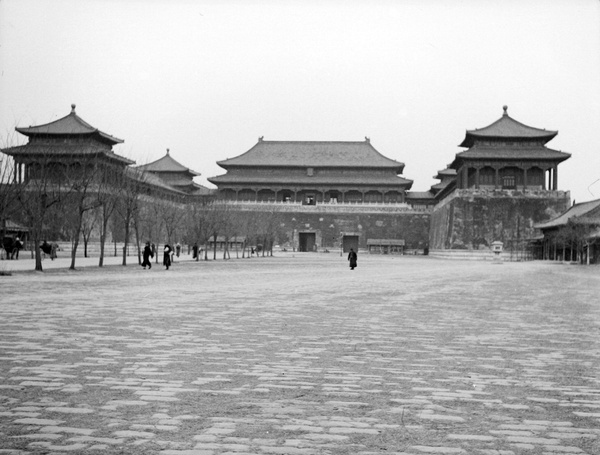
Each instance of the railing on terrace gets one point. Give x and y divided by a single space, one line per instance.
325 204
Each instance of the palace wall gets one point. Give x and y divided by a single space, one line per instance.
471 219
330 223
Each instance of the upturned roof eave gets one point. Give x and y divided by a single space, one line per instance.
472 135
26 149
458 158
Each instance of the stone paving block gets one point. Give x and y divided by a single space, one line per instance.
563 449
44 422
438 450
471 437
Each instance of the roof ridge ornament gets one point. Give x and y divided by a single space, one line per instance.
505 108
367 139
73 108
167 151
260 139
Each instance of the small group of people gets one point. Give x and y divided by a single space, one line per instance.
168 252
11 247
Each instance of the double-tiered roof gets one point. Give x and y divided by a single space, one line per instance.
508 139
76 136
316 155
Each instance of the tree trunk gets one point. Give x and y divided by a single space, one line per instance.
102 241
125 242
38 252
74 252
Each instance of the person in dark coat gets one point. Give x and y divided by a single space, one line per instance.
352 257
167 256
195 251
17 246
147 255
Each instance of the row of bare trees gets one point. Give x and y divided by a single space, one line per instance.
92 198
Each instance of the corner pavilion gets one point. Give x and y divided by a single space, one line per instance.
508 155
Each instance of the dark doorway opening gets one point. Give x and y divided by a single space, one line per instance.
307 241
350 241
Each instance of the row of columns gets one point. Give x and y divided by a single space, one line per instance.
321 192
20 170
551 177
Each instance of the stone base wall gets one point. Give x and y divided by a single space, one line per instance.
331 223
472 219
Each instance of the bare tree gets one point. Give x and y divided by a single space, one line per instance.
43 188
128 203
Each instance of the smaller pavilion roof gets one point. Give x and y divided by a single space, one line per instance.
71 125
444 173
167 164
418 195
507 128
584 212
312 154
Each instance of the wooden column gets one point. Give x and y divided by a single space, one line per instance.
497 179
525 178
555 178
477 177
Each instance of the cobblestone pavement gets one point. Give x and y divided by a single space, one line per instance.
298 355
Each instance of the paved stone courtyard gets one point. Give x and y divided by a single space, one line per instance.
297 355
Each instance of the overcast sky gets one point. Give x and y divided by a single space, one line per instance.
207 78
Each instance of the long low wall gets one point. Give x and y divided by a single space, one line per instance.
468 255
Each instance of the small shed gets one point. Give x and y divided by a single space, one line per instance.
385 246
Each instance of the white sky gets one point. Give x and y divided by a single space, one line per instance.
207 78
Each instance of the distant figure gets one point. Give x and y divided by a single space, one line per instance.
46 248
178 249
147 255
53 250
167 256
195 251
17 246
352 257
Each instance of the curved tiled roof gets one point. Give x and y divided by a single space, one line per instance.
309 180
518 153
167 164
67 149
313 154
72 124
584 211
507 128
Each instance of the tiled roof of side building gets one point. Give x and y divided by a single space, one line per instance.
508 128
445 173
313 154
308 180
72 124
150 179
167 164
413 195
581 210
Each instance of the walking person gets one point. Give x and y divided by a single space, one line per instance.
178 249
195 251
352 257
167 256
147 255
